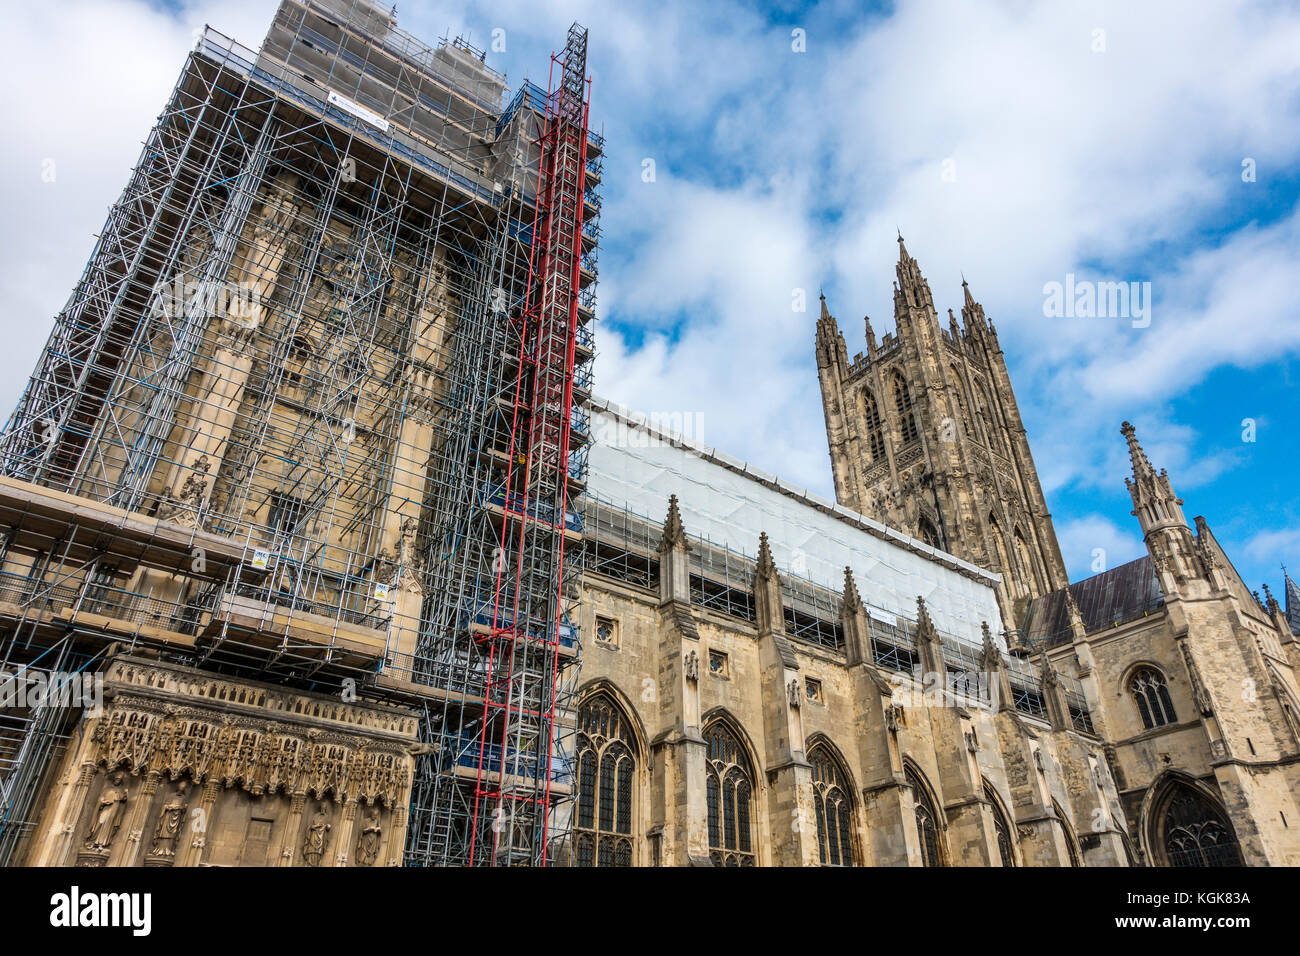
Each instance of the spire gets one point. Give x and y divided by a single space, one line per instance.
990 657
972 313
674 532
1141 465
911 290
1047 672
953 328
674 572
923 621
857 632
1270 602
766 566
927 640
1292 602
768 614
1073 616
830 343
871 336
1178 557
852 600
1154 501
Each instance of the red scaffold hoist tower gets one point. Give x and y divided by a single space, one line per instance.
512 822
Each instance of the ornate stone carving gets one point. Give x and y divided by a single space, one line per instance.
370 839
171 819
109 810
317 842
184 504
795 692
895 717
691 664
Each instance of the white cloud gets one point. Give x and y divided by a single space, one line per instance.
1273 546
779 170
1094 543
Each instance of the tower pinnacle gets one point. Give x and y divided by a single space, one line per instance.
1141 464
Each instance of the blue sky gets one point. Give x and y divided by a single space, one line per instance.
779 170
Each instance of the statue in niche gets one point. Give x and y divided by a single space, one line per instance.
108 814
171 818
318 838
368 843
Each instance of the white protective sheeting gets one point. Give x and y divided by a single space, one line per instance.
722 499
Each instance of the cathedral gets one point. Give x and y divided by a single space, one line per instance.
318 547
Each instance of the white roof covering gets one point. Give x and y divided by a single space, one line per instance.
634 464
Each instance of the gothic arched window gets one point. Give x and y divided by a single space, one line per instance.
991 434
927 820
903 405
1002 827
833 806
1071 841
1000 546
1194 831
927 533
606 785
963 407
1151 693
1026 558
875 434
729 792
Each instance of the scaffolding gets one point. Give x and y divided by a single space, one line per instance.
308 414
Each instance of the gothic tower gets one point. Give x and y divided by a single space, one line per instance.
925 435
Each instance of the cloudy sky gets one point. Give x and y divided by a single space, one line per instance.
1013 142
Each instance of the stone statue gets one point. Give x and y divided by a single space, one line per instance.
108 814
318 838
171 818
368 844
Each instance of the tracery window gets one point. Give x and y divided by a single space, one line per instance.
606 785
833 808
1002 827
903 404
1022 549
1196 832
1151 694
1000 545
729 790
927 821
963 408
992 436
875 433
